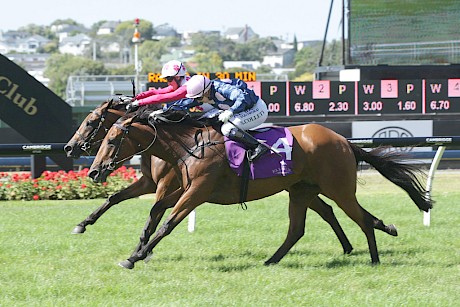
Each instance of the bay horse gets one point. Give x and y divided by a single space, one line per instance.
324 162
155 172
157 175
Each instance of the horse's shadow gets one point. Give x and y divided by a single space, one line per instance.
223 262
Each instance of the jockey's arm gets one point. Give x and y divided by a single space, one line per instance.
164 98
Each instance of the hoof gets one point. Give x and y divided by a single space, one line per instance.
78 229
348 250
392 230
270 262
126 264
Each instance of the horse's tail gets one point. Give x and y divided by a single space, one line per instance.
403 175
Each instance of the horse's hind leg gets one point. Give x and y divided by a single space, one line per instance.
389 229
143 186
300 197
325 211
365 221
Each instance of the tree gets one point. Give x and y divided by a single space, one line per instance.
126 30
44 31
307 58
51 47
60 66
67 21
204 42
152 49
210 62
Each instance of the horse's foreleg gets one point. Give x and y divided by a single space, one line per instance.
300 198
327 214
186 204
156 213
143 186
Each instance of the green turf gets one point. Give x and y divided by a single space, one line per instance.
221 263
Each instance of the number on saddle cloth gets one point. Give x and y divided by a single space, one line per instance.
271 164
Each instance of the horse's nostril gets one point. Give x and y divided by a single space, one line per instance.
68 148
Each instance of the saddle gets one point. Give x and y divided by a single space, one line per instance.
276 162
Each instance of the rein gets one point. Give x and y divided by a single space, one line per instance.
88 143
125 130
199 133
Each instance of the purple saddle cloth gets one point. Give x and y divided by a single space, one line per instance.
269 164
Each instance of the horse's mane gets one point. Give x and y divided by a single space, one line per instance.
186 119
117 102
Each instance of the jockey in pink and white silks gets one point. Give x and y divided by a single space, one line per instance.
175 73
241 108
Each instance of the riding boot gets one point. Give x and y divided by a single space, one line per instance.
256 149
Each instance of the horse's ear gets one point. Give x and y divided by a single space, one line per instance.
110 103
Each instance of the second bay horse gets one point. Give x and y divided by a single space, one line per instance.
324 162
157 175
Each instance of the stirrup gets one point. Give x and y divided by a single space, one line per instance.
256 153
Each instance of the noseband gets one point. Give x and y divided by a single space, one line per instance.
89 140
125 130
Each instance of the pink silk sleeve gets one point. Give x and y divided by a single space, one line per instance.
165 98
154 91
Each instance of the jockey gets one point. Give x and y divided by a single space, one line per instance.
241 107
174 72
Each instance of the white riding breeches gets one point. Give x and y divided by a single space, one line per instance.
247 119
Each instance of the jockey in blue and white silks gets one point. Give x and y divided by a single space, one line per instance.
241 108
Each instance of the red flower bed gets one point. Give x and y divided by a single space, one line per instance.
63 185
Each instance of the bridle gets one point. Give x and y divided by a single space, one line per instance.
190 152
88 141
125 130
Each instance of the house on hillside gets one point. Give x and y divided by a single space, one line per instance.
8 40
21 43
31 43
75 45
163 31
304 44
64 30
12 35
281 58
180 54
107 27
240 34
250 65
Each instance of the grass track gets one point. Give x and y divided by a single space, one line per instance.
221 263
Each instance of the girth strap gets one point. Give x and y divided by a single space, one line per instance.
244 184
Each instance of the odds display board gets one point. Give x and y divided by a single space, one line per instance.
374 97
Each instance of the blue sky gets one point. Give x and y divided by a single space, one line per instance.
304 18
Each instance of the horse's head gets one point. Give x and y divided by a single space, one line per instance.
126 138
94 128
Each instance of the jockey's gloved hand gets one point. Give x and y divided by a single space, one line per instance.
126 99
155 113
132 105
225 116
